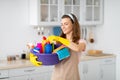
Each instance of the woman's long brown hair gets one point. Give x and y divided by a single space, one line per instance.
76 28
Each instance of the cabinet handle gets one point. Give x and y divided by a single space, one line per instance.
85 68
108 60
29 70
101 74
4 78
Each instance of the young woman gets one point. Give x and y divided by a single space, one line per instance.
67 69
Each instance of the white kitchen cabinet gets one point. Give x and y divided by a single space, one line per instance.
45 12
4 75
31 73
89 70
72 6
49 12
39 76
108 69
19 78
99 69
118 66
93 12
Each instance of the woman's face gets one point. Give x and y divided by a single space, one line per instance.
66 25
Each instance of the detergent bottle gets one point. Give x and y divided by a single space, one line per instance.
48 48
39 45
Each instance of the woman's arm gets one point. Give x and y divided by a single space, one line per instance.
77 47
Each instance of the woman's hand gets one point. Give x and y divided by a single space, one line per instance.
64 41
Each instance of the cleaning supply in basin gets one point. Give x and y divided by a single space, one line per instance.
33 60
62 52
39 45
36 49
43 43
48 48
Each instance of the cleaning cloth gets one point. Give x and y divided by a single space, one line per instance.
63 53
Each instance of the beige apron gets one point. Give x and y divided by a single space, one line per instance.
67 69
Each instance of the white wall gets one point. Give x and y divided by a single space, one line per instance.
15 31
108 34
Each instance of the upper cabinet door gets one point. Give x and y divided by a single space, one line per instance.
93 12
44 12
72 6
49 12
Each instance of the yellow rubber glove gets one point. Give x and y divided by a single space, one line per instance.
52 38
33 60
59 39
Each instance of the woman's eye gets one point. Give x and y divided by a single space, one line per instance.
66 24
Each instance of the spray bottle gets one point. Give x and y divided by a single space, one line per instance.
43 44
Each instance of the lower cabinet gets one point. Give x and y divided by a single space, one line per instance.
19 78
31 73
108 69
99 69
30 77
89 70
96 69
4 75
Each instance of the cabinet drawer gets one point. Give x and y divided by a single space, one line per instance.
108 61
3 73
28 70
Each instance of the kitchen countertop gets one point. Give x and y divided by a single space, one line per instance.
87 57
26 63
15 64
